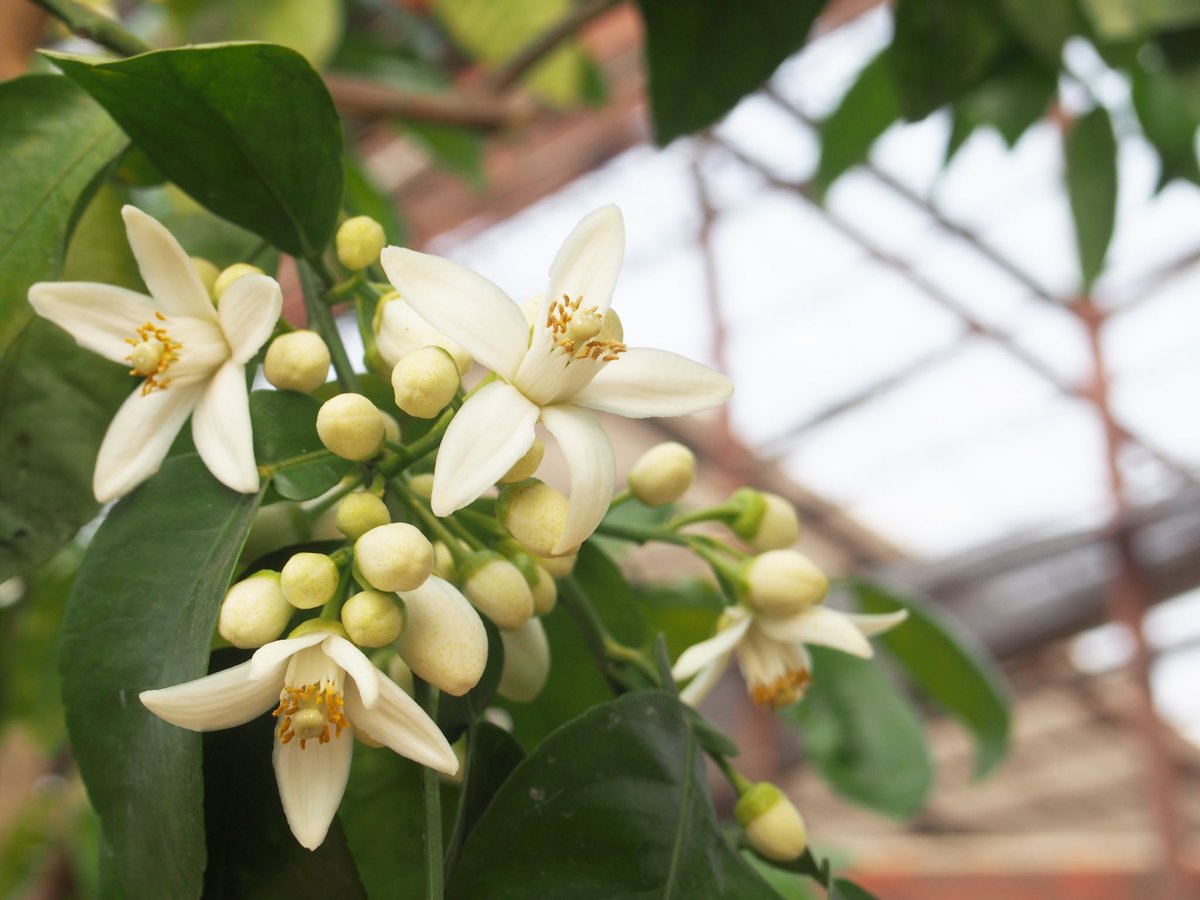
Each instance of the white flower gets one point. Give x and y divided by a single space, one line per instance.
317 709
569 362
770 650
191 356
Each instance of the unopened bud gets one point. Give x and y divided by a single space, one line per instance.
545 593
422 485
525 466
783 582
558 566
231 274
391 428
444 640
254 611
372 619
663 474
297 361
359 512
309 580
399 329
443 562
425 382
779 526
772 823
398 670
497 589
359 242
394 557
208 275
535 514
351 427
526 662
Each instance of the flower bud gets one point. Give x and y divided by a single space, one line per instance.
534 513
558 566
399 329
359 241
444 640
391 428
372 619
771 822
497 589
276 525
297 361
545 593
443 562
422 485
359 512
394 557
351 426
751 506
309 580
231 274
526 662
663 474
779 526
527 464
783 582
425 382
254 611
398 670
208 275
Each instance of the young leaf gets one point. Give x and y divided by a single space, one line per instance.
863 735
948 667
140 616
1091 158
267 158
624 781
285 427
865 113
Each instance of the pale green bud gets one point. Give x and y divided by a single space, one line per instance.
525 466
535 514
208 275
444 640
425 381
394 557
372 619
308 626
663 474
779 526
231 274
772 823
526 662
443 562
558 566
783 582
752 506
398 670
391 428
545 593
309 580
359 242
422 485
497 589
351 427
359 512
297 361
254 612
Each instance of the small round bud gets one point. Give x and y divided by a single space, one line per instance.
350 426
395 557
443 562
422 485
309 580
779 526
526 662
444 640
535 514
772 823
359 242
399 329
308 626
425 382
297 361
231 274
391 428
527 464
545 593
359 512
254 611
783 582
558 566
208 274
497 589
372 619
663 474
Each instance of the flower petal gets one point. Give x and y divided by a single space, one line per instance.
818 625
402 725
173 281
697 689
647 382
139 437
464 306
268 656
589 260
99 316
492 431
221 429
221 700
357 666
697 656
526 662
402 330
589 456
248 311
311 783
871 625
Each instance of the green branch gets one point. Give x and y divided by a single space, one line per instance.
87 23
321 320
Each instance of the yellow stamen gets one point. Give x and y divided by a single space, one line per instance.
308 712
152 354
574 330
782 691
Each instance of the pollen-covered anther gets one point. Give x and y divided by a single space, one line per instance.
152 354
309 712
782 691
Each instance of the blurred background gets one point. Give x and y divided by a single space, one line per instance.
948 255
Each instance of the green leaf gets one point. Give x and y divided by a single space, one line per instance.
1120 19
99 250
949 667
1010 101
685 613
1091 174
1168 123
457 150
285 427
56 402
1043 26
492 754
703 56
365 198
863 735
203 234
141 616
866 111
268 159
625 781
313 28
610 595
844 889
54 143
940 48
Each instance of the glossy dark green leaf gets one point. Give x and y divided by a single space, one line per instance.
492 754
248 130
1011 101
949 667
614 804
866 111
141 616
685 613
285 427
863 735
703 56
1168 123
54 143
1091 173
610 595
844 889
99 250
203 234
940 48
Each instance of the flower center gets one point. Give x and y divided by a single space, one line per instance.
576 330
152 354
309 712
782 691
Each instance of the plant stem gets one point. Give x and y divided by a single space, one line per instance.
605 648
426 696
642 535
90 24
311 456
427 443
321 319
459 834
739 782
546 42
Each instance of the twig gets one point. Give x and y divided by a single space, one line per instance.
88 23
546 42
